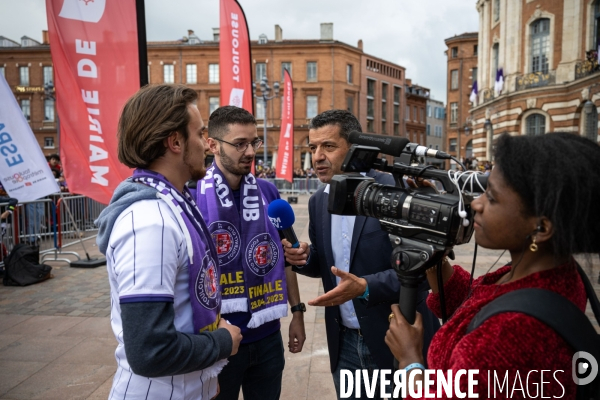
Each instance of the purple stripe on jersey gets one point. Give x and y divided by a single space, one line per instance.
147 298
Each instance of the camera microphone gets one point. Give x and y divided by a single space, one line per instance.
391 145
424 151
282 217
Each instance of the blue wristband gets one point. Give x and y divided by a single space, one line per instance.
413 366
365 295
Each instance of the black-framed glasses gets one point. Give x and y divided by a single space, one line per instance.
243 146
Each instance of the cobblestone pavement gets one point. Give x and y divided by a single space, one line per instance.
56 341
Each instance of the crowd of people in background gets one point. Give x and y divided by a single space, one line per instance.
473 164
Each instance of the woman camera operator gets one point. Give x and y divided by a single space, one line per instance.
541 204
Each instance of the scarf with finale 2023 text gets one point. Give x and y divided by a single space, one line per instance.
248 247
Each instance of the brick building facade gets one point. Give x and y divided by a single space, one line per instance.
462 72
326 74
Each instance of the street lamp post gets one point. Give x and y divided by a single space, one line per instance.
265 89
489 127
49 94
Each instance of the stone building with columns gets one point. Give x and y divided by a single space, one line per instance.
548 53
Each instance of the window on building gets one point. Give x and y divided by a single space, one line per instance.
422 115
428 111
24 76
474 74
453 113
452 145
349 74
261 71
496 10
383 127
26 108
169 73
536 124
149 80
422 139
284 66
428 130
213 104
311 71
262 39
495 60
213 73
384 91
596 29
415 114
312 106
591 124
454 79
370 88
259 109
407 116
383 110
191 73
47 71
396 95
469 149
540 45
370 108
2 72
48 142
396 129
370 125
48 110
454 52
350 104
474 49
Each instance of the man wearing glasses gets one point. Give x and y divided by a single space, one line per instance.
255 284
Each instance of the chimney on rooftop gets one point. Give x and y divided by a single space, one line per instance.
326 31
278 33
360 44
45 37
216 34
190 32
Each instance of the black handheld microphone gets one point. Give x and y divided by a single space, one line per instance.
391 145
282 217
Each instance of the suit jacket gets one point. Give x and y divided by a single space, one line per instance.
370 258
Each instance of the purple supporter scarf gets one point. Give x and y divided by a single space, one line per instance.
205 293
248 246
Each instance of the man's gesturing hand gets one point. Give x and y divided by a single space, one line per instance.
350 287
298 255
234 331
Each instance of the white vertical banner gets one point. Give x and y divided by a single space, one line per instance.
24 171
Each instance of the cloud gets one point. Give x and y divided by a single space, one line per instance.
408 33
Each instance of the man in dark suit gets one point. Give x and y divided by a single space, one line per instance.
362 286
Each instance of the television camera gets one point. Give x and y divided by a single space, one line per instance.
424 221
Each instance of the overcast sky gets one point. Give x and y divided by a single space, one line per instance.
406 32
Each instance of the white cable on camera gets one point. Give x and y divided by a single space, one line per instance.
471 176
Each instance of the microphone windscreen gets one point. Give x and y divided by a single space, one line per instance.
281 214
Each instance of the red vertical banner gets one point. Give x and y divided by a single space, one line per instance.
285 158
94 50
235 63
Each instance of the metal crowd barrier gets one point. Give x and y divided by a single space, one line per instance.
298 186
45 223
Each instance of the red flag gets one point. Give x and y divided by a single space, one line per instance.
94 49
235 65
285 159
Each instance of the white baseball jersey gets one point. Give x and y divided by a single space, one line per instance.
147 259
